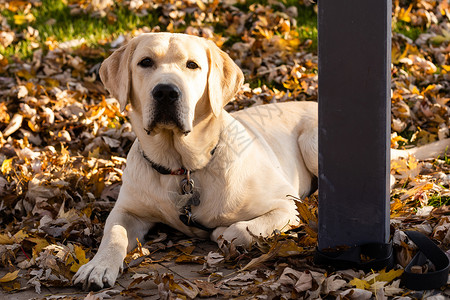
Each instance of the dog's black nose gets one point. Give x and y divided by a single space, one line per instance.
166 93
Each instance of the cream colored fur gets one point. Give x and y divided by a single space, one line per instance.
262 155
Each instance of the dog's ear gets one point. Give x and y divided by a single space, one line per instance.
224 78
115 73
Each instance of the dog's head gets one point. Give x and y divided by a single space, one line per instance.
168 78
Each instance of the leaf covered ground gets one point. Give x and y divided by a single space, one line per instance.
63 140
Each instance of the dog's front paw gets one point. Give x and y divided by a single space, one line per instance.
97 274
237 233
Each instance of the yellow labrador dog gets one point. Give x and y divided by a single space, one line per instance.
193 166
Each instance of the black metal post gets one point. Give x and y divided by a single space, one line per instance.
354 121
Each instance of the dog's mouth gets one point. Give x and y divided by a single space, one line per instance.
167 119
167 98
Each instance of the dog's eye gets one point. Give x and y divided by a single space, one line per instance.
191 65
146 63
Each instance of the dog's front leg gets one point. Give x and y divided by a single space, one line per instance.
121 231
241 233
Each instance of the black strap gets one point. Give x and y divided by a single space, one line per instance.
378 256
428 251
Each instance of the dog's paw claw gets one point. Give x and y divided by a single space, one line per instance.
96 276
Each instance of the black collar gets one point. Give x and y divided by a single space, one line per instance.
166 171
163 170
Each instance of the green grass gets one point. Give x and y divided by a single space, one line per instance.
407 134
407 30
447 157
53 20
438 200
307 23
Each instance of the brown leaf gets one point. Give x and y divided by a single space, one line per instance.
207 289
10 276
185 258
258 261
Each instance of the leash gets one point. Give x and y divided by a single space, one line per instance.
187 188
429 255
382 256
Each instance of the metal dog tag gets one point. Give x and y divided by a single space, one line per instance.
187 186
195 199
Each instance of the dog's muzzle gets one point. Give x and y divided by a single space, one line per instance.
167 99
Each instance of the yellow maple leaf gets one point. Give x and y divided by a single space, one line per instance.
10 276
16 238
20 236
285 25
395 139
412 162
396 54
429 88
7 166
404 15
6 239
415 90
94 153
396 205
289 248
387 276
41 243
87 211
33 126
80 254
22 19
52 82
360 284
15 5
291 84
24 74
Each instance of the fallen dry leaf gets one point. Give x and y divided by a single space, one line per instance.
9 276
